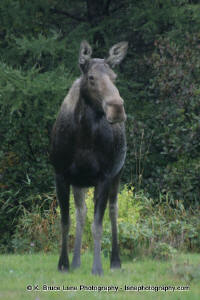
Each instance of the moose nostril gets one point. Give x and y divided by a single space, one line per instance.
115 103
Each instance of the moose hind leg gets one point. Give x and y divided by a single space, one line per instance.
81 210
101 197
62 190
113 211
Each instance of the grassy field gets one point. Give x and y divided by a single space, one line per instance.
39 271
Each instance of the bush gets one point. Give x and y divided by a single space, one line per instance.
163 251
37 230
175 85
26 97
144 228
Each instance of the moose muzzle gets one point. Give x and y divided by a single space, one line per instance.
114 109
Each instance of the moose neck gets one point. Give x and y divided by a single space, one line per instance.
87 105
88 112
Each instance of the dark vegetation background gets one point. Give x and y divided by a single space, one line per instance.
159 81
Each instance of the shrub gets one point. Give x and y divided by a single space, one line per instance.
26 97
144 228
175 85
38 230
163 251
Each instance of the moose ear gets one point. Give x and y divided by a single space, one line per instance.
84 55
117 53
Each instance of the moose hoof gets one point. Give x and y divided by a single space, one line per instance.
115 264
63 266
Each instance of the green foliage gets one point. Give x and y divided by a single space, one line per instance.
37 230
144 229
25 98
176 84
163 251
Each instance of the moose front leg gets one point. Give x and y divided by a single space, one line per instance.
100 201
62 190
113 210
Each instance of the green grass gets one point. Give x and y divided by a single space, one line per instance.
18 271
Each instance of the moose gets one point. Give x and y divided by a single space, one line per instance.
88 148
